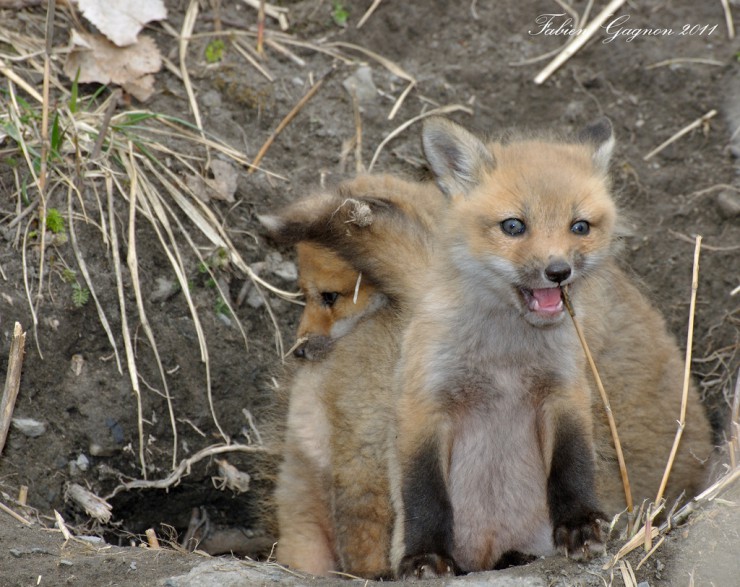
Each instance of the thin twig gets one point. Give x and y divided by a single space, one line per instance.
286 121
273 44
607 406
20 82
359 167
577 22
12 381
27 289
687 129
187 29
88 280
184 467
17 516
728 19
260 27
105 123
436 111
252 61
276 12
44 163
572 48
679 60
687 372
368 13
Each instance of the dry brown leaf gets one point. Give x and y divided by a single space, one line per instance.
222 186
99 60
121 22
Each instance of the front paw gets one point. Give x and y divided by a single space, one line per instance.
426 566
582 535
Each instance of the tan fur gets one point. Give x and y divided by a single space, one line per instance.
333 498
493 377
642 371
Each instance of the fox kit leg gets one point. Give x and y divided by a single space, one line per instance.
567 442
363 519
424 540
303 518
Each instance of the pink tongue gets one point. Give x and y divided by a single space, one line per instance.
547 298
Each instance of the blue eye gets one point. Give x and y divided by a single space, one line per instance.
581 228
513 226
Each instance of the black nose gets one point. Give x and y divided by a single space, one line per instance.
558 271
300 352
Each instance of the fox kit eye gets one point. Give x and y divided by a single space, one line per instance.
513 226
329 298
581 228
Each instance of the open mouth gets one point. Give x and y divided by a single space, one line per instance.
545 301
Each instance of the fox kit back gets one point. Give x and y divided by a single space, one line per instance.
496 449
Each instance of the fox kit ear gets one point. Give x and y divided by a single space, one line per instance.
294 222
272 222
457 157
600 136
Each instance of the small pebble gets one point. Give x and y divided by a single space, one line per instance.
574 111
361 83
92 539
82 462
165 289
15 552
211 99
286 270
254 299
728 203
115 430
29 427
65 563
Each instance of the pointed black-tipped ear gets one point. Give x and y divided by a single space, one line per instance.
457 157
600 136
301 219
271 222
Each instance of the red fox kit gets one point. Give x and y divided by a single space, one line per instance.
496 447
333 497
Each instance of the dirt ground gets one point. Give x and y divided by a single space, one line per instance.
467 54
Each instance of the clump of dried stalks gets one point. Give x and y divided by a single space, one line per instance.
106 166
86 156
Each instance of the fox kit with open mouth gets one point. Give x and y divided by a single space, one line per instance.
495 448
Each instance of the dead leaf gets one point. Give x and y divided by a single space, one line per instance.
224 180
222 186
120 21
99 60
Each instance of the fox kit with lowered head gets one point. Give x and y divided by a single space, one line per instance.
495 443
333 496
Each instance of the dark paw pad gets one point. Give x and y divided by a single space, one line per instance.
426 566
581 536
